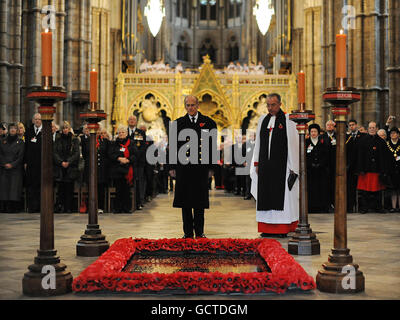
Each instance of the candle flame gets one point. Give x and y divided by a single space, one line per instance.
301 71
341 31
93 69
46 30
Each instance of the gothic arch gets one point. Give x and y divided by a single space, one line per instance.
134 104
248 105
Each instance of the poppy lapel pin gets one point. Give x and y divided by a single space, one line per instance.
202 125
280 126
374 148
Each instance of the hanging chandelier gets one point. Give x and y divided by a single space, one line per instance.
155 12
263 10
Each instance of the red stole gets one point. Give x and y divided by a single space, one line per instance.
129 176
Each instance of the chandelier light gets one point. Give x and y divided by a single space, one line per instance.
155 12
263 10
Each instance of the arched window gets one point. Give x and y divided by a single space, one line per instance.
207 47
181 9
208 9
182 49
234 8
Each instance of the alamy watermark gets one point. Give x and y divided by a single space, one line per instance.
203 150
49 280
349 280
49 21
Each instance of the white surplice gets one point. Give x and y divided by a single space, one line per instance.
290 211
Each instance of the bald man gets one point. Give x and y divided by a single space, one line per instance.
191 188
33 151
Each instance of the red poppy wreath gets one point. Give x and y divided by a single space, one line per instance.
107 273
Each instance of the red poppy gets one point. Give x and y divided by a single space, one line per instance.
280 126
202 125
106 273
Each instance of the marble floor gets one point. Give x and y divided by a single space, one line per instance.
373 240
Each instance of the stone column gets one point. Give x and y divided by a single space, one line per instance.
31 57
10 60
313 60
394 60
77 60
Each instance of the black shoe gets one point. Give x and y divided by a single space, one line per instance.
201 236
247 198
363 211
139 207
187 237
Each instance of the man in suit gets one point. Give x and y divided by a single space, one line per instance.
191 188
33 153
352 139
330 137
139 138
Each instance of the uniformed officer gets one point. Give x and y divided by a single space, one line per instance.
139 139
191 188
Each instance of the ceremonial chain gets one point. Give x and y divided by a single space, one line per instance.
392 150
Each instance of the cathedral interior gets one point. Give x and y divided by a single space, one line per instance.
149 61
114 38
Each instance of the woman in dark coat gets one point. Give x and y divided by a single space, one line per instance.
122 155
66 171
317 159
393 145
11 169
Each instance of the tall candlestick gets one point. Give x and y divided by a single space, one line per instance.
93 86
47 54
341 58
301 87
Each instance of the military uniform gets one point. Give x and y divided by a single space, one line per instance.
191 188
139 139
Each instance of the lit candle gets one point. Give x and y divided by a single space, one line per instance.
341 58
301 87
47 54
93 86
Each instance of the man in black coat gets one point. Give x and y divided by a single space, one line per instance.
192 173
138 137
330 137
33 152
352 139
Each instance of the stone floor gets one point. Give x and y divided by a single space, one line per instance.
372 238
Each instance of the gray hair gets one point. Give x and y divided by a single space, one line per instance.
197 100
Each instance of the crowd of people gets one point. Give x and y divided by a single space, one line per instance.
160 66
373 166
121 164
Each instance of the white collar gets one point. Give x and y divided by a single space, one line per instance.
314 140
132 129
195 117
38 129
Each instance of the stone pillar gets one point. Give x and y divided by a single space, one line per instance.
77 60
394 60
101 54
10 60
31 57
367 60
313 60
